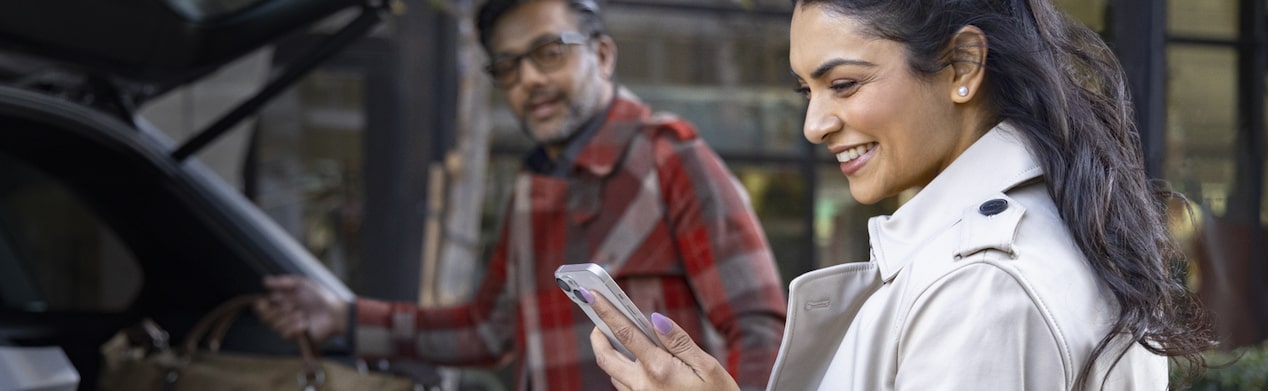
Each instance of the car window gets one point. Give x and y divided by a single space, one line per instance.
55 253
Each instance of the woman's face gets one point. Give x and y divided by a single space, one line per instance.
890 129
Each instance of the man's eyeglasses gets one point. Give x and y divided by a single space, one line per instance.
546 56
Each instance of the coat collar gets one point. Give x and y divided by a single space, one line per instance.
994 164
601 154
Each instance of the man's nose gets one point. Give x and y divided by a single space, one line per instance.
530 76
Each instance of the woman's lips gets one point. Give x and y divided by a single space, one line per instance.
854 158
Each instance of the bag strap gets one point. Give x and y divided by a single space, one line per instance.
218 321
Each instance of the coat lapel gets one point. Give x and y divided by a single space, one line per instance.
821 306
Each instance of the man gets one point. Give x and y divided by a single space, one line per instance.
608 184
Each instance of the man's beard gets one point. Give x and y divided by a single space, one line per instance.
557 133
576 114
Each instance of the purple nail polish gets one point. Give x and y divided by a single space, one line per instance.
662 324
587 296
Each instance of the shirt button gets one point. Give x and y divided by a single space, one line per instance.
993 207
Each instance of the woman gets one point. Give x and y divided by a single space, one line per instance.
1035 255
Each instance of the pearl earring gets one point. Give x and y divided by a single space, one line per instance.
963 91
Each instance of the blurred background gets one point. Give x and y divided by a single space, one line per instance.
391 161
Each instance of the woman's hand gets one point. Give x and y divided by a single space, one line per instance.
682 365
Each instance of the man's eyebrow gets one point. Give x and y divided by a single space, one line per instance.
833 63
540 39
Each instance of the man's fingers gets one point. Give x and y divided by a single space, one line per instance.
268 313
287 324
283 282
294 325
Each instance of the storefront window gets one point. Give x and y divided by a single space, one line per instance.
1201 123
309 166
1210 19
1090 12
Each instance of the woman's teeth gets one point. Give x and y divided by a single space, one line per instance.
854 153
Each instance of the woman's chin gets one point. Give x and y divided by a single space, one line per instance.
865 196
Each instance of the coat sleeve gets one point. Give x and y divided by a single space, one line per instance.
728 262
479 332
977 328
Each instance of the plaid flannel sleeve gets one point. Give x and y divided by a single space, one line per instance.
728 261
479 332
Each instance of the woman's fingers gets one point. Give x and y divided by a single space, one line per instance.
621 369
624 330
680 345
620 386
654 368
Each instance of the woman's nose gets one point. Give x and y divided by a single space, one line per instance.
820 121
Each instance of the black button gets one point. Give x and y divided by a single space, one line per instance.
993 207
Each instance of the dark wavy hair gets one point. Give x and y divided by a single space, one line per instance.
586 12
1058 83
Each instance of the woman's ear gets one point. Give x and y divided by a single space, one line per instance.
606 50
968 60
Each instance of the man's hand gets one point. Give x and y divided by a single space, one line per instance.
682 365
296 305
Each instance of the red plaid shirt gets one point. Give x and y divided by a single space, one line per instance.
654 205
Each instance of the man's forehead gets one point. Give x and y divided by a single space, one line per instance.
529 23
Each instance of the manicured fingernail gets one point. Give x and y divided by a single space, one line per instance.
585 294
662 324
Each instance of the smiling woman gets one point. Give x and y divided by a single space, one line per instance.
1034 254
867 82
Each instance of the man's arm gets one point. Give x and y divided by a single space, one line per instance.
476 333
479 332
728 261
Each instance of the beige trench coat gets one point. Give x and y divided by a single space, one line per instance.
974 284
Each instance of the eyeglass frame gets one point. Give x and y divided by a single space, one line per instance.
565 38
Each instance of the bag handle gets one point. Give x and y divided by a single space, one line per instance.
217 322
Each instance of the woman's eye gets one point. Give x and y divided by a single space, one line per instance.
844 86
803 91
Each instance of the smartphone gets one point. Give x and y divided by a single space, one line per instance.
596 280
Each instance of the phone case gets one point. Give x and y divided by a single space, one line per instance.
595 279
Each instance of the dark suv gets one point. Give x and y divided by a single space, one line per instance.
105 222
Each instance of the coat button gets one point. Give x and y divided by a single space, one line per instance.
993 207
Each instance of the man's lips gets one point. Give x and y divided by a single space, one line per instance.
543 108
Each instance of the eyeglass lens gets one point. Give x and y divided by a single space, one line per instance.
546 57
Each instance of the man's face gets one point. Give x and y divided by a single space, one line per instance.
551 103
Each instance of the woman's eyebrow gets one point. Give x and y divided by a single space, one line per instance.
836 62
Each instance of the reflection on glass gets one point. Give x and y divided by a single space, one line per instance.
309 166
749 121
776 193
1203 19
1090 12
1201 122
